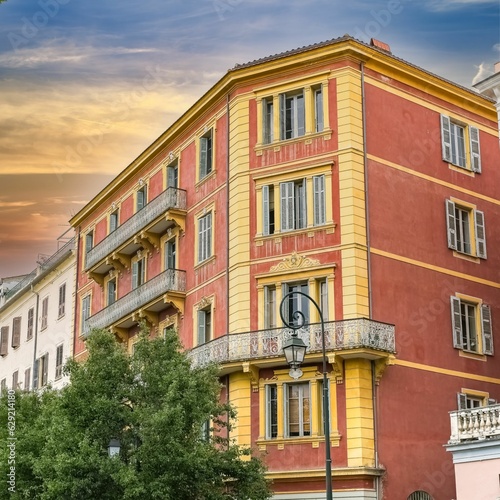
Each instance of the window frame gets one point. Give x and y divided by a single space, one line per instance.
482 325
85 312
476 228
303 419
141 198
206 149
204 328
16 332
27 379
62 301
114 220
59 361
31 322
172 175
45 313
138 270
450 143
292 114
205 237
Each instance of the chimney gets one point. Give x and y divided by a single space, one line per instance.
380 45
497 67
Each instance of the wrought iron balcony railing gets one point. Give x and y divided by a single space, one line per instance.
339 335
168 199
171 280
474 424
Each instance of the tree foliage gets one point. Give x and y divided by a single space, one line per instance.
155 404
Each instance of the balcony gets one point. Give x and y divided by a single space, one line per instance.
475 425
148 299
141 230
375 338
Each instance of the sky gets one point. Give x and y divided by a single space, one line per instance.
86 86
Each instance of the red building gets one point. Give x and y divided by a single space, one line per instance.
343 172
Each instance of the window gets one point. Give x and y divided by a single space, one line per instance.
268 118
29 332
59 361
138 272
4 341
85 313
323 298
293 205
204 325
45 312
62 300
469 402
15 382
141 199
270 307
114 220
460 144
27 379
471 323
16 332
111 291
419 495
291 210
89 241
296 302
466 229
292 115
41 371
170 254
318 110
3 386
173 175
297 410
205 237
206 154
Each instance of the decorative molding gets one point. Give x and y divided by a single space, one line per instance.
204 303
381 365
295 261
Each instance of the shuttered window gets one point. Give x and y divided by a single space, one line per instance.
85 313
293 205
4 340
45 312
111 286
170 254
204 325
292 115
319 200
62 300
471 326
271 411
172 176
29 332
59 361
297 410
138 273
206 154
141 199
318 110
15 380
460 144
267 210
16 332
114 220
204 237
466 230
268 120
27 379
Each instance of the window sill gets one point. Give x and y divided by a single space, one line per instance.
204 263
461 170
329 228
207 177
306 138
465 256
314 441
472 355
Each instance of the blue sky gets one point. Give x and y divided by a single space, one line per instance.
86 86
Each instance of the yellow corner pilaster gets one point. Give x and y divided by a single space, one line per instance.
240 392
359 413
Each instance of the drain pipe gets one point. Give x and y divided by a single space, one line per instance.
35 340
369 277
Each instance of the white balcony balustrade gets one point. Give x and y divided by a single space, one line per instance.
339 335
475 424
171 198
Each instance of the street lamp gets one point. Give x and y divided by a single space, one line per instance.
114 447
294 350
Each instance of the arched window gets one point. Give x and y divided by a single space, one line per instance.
419 495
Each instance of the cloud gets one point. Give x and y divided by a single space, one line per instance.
447 5
483 71
15 204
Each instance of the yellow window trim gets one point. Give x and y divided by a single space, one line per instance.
476 394
477 303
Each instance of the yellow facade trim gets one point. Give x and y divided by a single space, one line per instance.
240 392
444 371
431 267
426 177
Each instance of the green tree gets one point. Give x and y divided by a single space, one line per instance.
156 405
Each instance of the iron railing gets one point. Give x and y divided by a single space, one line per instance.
339 335
170 198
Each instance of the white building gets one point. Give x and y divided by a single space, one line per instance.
36 323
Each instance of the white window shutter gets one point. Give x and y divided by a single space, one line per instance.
287 206
282 117
461 401
36 370
201 327
319 200
480 234
475 152
451 225
265 210
446 137
487 331
456 322
135 274
201 235
208 247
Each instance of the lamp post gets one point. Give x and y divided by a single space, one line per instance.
294 350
